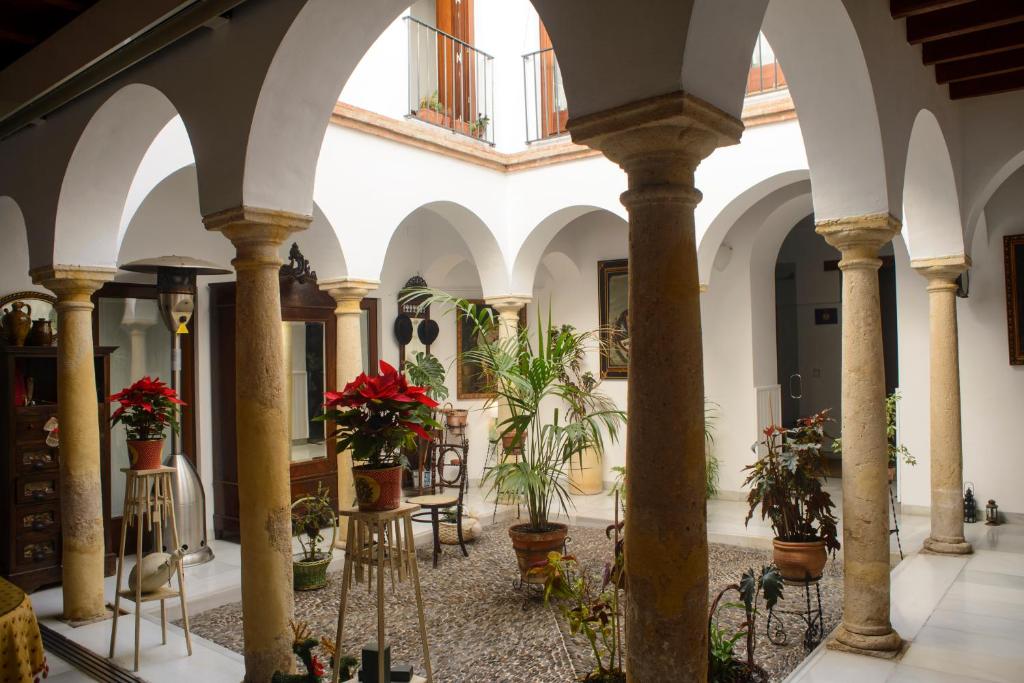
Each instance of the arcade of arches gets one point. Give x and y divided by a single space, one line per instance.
812 238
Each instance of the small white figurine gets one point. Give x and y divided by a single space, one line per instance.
157 569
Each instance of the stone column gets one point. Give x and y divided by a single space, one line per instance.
262 422
947 470
508 308
659 142
81 490
347 293
137 325
865 628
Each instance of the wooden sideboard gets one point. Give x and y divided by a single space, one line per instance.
30 518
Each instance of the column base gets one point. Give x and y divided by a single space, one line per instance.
886 646
935 547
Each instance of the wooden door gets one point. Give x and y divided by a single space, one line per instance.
553 114
456 60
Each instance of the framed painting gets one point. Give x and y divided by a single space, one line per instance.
613 295
1013 257
471 380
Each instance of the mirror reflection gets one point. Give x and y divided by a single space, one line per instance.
306 382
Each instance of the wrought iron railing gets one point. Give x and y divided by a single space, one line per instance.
543 95
765 75
451 83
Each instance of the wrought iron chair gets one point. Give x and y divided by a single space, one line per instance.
448 487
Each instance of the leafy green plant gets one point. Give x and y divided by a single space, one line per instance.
432 102
723 664
309 516
427 371
479 127
787 483
897 450
590 611
527 375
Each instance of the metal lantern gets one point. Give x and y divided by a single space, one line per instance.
176 286
992 513
970 505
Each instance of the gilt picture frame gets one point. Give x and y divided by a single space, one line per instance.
1013 259
613 305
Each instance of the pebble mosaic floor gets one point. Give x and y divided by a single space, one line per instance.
482 629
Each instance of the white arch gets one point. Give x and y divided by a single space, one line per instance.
14 257
931 207
723 222
976 217
821 54
528 258
100 172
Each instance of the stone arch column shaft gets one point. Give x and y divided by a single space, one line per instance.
262 425
81 486
659 142
866 627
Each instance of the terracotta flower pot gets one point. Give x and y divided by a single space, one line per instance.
799 560
378 490
532 548
892 474
145 455
511 444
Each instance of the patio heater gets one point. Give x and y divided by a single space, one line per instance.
176 286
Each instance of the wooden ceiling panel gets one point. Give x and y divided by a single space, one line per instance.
976 46
26 23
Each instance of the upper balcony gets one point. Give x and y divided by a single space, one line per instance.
451 83
544 96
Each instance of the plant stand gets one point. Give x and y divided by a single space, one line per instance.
811 615
149 500
895 522
363 553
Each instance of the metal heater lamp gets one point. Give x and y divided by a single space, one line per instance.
176 286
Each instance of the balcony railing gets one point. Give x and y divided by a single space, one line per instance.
544 96
451 83
765 74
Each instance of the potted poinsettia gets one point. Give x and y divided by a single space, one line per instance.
378 418
788 485
148 408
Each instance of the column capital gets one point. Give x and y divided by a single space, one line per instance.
72 284
859 238
256 233
509 304
658 141
702 288
942 272
348 292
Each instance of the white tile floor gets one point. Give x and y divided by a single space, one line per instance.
964 617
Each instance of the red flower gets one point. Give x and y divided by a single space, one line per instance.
316 666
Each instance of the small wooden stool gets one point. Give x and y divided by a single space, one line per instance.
148 497
400 553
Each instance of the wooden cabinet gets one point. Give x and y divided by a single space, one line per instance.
30 520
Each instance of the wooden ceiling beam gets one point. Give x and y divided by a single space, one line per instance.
10 35
989 65
901 9
975 44
957 21
987 85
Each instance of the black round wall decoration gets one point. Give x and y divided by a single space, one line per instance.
403 329
427 331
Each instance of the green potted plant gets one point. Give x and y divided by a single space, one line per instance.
526 376
478 128
589 611
310 516
431 110
724 666
787 484
147 410
378 419
897 451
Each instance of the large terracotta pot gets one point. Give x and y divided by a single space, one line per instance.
145 455
378 489
532 548
585 474
799 560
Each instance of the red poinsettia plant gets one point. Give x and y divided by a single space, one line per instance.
147 409
378 418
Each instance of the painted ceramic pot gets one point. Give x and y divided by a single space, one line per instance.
378 489
18 323
532 548
145 455
41 333
799 560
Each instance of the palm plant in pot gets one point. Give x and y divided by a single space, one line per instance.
378 419
527 376
148 408
787 484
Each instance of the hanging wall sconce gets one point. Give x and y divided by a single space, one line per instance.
992 513
970 505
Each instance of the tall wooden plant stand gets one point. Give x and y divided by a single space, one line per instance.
377 540
148 498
